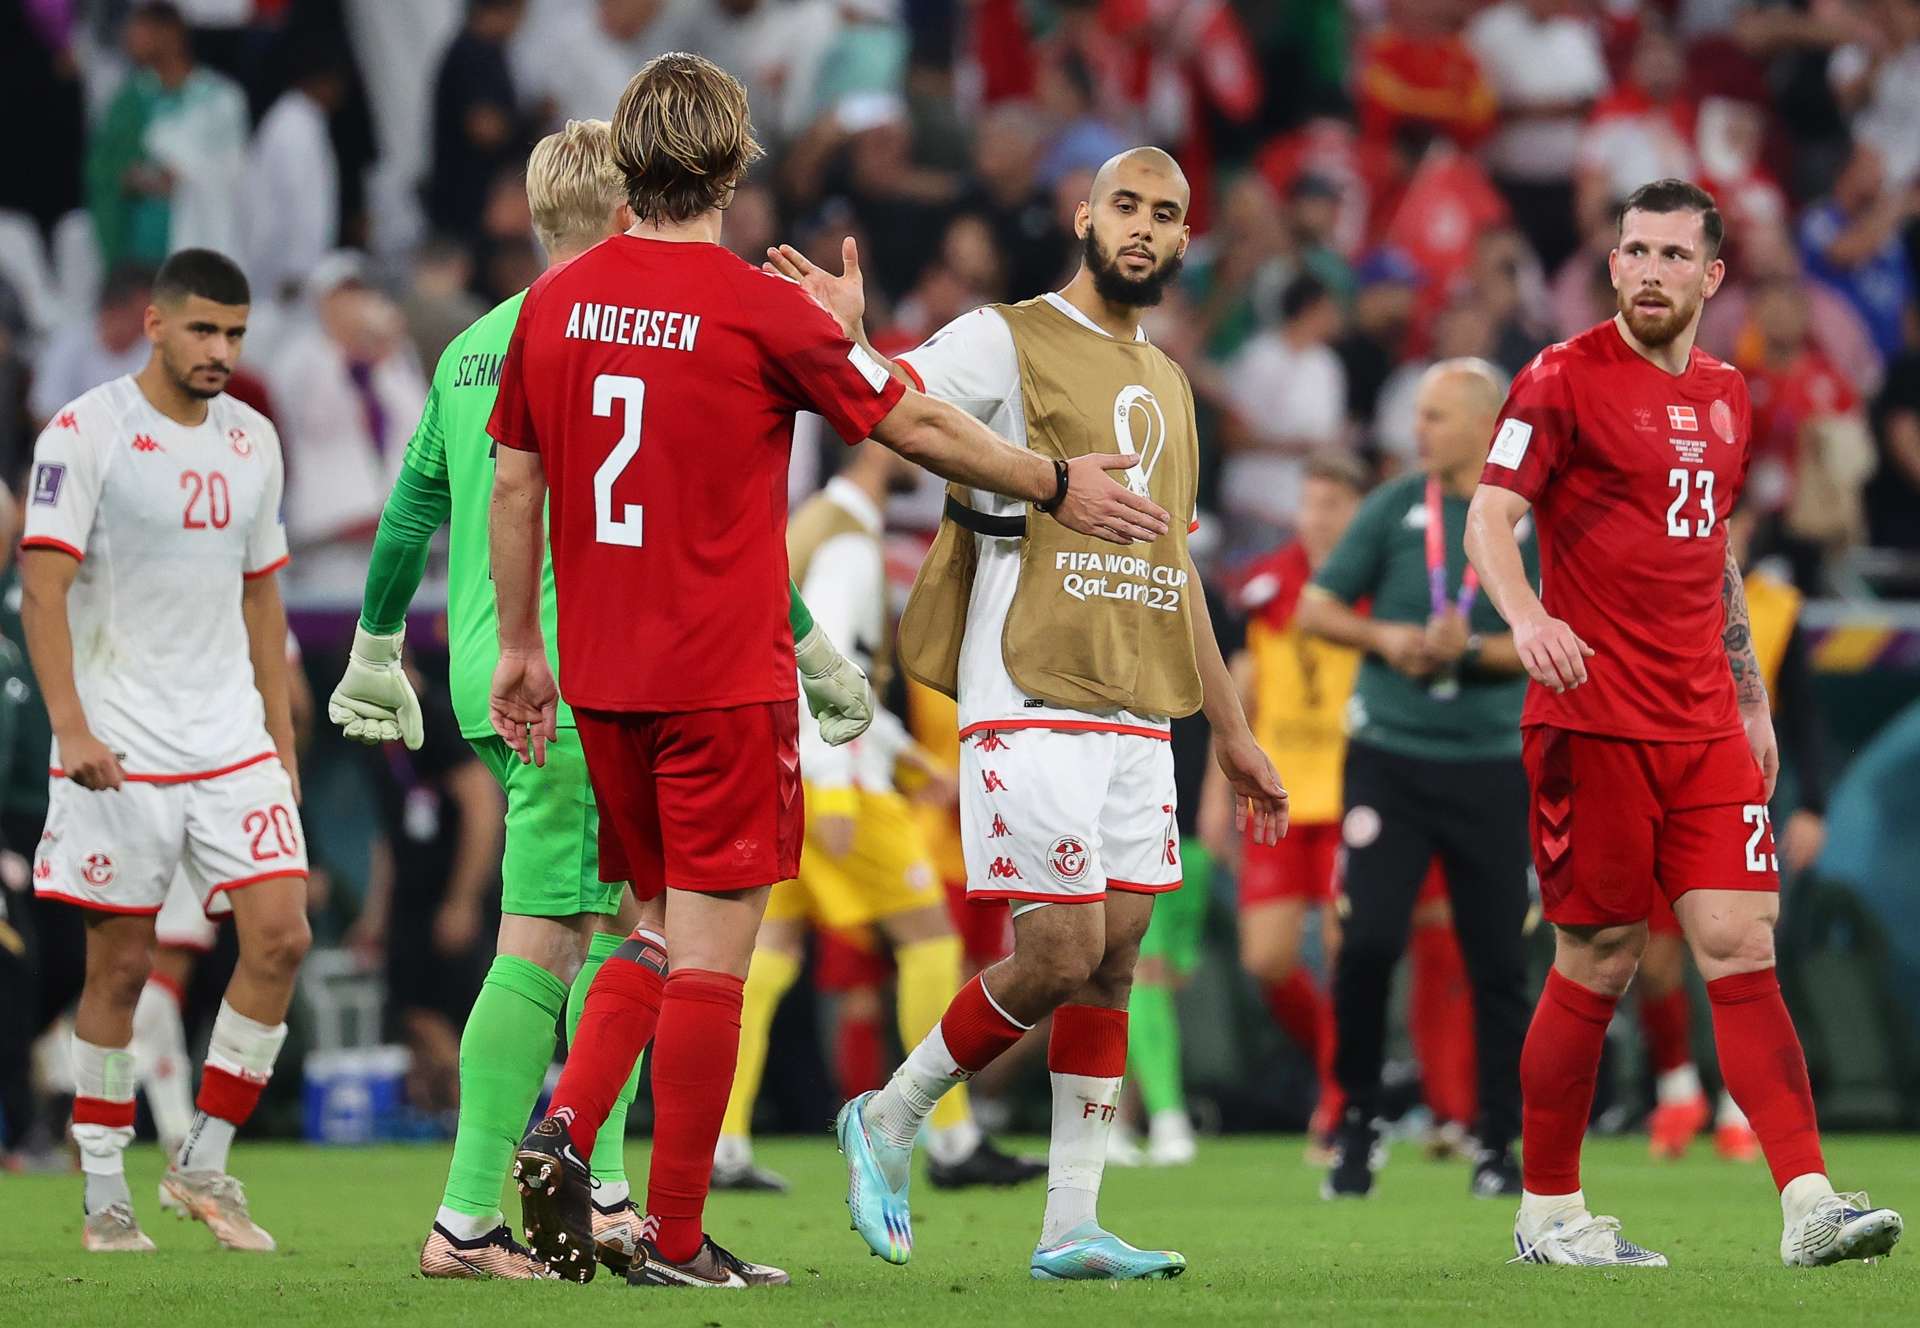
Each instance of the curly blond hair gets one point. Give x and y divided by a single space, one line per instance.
682 137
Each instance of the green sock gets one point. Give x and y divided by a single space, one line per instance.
610 1145
504 1054
1153 1048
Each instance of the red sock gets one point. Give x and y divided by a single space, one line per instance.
857 1057
1665 1020
975 1029
227 1096
693 1057
617 1022
1440 1018
1089 1040
1305 1014
1766 1071
1558 1067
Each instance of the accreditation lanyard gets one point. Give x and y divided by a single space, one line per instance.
1437 560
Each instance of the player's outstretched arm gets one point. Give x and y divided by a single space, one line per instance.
46 575
1259 797
1078 493
266 619
525 700
1554 657
1749 685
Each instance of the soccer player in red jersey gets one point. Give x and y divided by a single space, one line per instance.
648 395
1648 741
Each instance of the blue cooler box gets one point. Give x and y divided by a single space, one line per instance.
354 1096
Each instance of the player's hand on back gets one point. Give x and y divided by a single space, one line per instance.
1096 504
1554 657
374 702
525 703
844 296
1259 798
89 762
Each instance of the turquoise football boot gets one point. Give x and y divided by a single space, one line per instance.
1089 1253
880 1212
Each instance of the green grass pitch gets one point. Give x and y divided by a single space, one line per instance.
1263 1249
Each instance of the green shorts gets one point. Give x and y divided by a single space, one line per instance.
1180 916
552 864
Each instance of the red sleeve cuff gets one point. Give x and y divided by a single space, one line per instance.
1500 477
517 444
49 542
269 569
919 383
862 425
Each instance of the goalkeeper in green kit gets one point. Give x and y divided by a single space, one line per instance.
560 922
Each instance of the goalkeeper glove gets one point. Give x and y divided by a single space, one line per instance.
374 702
837 691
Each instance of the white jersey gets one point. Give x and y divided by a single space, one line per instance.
972 363
166 521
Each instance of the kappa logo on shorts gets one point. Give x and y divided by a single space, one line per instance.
1361 827
990 742
97 870
994 783
999 830
1002 869
1068 860
43 870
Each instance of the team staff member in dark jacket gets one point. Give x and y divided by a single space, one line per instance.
1433 767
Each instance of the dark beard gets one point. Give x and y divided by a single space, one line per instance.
1116 287
1657 331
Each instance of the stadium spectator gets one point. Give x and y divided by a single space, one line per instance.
1642 130
578 63
1416 71
348 390
439 305
1289 399
86 354
1004 187
1893 499
1463 331
1852 241
477 127
292 216
1506 282
164 168
1242 267
1376 333
1878 82
1544 61
1767 254
1312 217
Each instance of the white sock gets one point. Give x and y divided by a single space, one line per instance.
1801 1194
160 1052
733 1151
465 1226
1678 1085
953 1144
1540 1211
105 1074
1730 1113
610 1194
897 1111
246 1049
1083 1112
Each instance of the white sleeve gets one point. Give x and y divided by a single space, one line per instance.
845 580
971 363
68 472
267 540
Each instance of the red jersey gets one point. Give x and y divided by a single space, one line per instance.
1632 472
658 381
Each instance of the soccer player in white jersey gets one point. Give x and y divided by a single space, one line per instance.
156 631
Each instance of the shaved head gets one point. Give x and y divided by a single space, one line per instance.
1481 386
1140 164
1454 412
1133 226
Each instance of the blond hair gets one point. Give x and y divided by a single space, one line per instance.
573 186
682 137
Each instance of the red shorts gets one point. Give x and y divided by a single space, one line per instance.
705 800
846 960
1614 820
1301 866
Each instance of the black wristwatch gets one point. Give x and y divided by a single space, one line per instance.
1052 504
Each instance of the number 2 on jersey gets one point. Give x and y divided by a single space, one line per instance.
623 528
1685 483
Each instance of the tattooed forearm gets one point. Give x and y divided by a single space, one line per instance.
1738 637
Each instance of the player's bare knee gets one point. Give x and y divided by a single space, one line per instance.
1732 945
1266 962
276 949
1601 959
116 975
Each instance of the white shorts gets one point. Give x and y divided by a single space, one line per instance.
1051 816
119 851
182 923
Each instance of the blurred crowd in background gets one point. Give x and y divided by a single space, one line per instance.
1377 184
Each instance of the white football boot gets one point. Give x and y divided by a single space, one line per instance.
1583 1240
1840 1227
